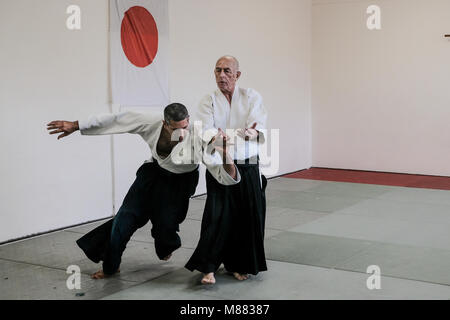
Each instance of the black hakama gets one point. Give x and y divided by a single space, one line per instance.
157 195
232 230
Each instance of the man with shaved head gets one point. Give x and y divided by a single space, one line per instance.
232 230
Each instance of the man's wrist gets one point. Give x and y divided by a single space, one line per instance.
231 170
77 125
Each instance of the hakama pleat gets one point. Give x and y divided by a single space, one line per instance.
232 230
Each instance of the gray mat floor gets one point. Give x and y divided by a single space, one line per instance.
321 237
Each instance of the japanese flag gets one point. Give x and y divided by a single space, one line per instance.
139 33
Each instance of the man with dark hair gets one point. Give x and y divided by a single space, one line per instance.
175 112
162 188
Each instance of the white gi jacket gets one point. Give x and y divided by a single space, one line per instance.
246 108
149 126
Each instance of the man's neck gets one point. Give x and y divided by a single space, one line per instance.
228 95
166 136
165 144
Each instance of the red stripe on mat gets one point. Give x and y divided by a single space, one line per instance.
370 177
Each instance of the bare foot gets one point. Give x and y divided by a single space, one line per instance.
167 258
240 277
100 275
209 278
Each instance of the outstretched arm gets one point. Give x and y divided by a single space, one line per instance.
110 123
64 127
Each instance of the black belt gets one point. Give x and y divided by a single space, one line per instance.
169 173
246 163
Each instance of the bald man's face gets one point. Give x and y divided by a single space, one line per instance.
226 75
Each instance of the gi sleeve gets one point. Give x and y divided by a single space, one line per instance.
123 122
214 164
258 114
205 114
215 167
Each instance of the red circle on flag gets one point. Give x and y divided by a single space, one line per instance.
139 36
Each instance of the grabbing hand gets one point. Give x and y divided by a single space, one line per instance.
220 143
218 139
228 163
222 149
64 127
248 133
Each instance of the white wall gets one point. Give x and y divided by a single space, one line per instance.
381 99
49 72
270 38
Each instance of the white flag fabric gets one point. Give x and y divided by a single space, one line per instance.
139 33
